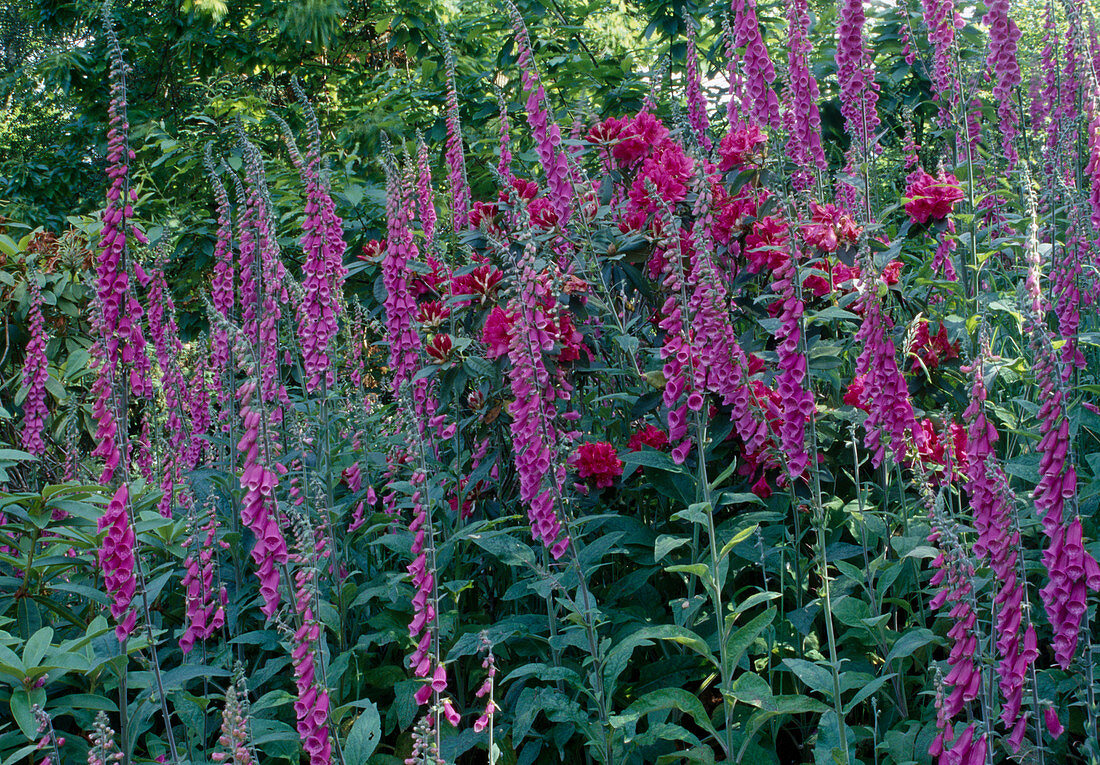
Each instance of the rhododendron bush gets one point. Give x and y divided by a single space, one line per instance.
757 422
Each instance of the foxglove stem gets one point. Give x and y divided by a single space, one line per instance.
35 372
802 118
547 134
456 161
696 98
761 105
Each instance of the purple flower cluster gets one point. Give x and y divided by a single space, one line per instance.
259 510
35 373
116 560
165 336
546 133
323 269
204 614
796 402
311 708
761 106
941 19
955 576
421 628
999 542
222 295
1072 570
696 98
735 104
885 394
456 160
272 277
720 364
1003 38
858 90
400 304
802 117
425 197
535 434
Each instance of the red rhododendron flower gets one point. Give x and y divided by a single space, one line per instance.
766 247
853 396
432 314
930 197
637 137
929 350
373 250
497 333
439 348
744 146
598 463
482 282
650 435
830 227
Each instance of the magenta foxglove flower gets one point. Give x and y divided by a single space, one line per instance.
696 98
1003 38
802 118
35 373
761 105
941 19
456 160
547 134
205 613
116 560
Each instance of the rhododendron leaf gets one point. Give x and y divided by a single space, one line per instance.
652 459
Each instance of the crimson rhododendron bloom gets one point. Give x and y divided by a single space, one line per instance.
742 147
650 435
598 463
931 197
439 348
930 350
497 332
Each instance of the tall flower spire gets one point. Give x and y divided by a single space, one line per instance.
323 269
696 98
803 116
547 134
456 161
761 106
35 372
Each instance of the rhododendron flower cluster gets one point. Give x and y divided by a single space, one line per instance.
598 463
928 350
931 197
650 435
